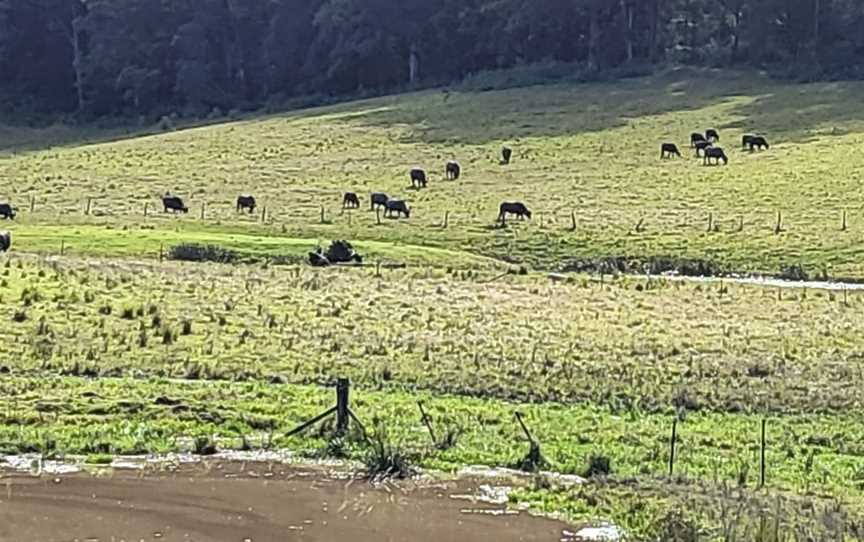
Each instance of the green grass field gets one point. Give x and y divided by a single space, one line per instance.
107 350
592 150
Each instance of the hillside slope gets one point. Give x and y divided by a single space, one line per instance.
588 153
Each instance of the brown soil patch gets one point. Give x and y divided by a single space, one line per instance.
234 502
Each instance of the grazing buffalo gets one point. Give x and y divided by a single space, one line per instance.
746 139
758 142
506 155
702 146
398 207
668 150
350 201
418 178
454 170
717 154
695 138
174 204
5 241
7 211
379 200
712 135
246 202
513 208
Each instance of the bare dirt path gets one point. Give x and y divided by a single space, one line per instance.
249 503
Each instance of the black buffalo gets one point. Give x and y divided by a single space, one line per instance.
702 146
174 204
7 211
746 139
513 208
350 201
246 202
379 200
758 142
397 207
715 153
5 241
506 155
712 135
418 178
668 150
695 138
454 170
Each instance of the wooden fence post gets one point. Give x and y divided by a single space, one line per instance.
203 210
32 203
672 447
427 422
710 222
779 226
446 219
844 225
343 388
62 246
322 214
762 475
87 207
263 214
161 252
146 206
573 220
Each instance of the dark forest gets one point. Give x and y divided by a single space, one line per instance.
92 58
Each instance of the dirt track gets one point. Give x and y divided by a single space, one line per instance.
246 503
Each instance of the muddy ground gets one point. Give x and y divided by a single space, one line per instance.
237 502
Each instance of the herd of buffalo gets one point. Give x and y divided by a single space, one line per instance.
705 146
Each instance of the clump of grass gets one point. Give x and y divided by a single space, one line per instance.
388 458
205 446
533 460
169 336
598 466
186 328
105 310
99 459
19 316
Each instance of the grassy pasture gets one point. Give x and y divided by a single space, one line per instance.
592 150
106 351
628 344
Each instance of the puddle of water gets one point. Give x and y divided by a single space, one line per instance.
606 532
765 282
500 473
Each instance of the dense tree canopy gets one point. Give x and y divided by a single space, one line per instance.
152 57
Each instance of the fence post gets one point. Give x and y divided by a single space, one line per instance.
710 222
779 226
32 203
264 214
427 422
844 225
343 387
161 252
446 219
62 246
322 214
573 219
203 209
87 207
146 206
672 447
762 475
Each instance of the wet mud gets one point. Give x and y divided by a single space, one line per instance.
254 502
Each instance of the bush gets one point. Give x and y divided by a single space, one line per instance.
598 465
202 253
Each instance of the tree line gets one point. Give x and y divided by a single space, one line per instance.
154 57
